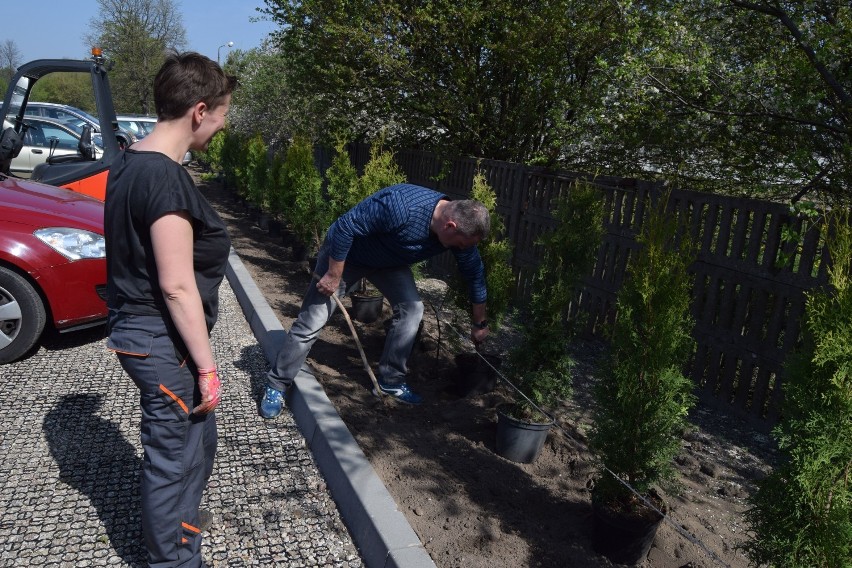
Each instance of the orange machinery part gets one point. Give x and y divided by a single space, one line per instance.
93 186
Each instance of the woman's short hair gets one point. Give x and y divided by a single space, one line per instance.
471 217
186 79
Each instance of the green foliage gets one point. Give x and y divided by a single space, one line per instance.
739 97
478 78
499 279
482 191
233 161
346 189
379 172
568 253
212 157
73 89
735 97
642 396
301 183
418 270
792 239
342 179
496 253
541 362
135 35
265 102
801 514
542 370
256 172
275 187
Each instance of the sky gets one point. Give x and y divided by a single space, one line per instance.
54 29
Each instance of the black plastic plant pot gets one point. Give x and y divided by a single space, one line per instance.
366 308
476 373
625 537
276 227
517 440
298 252
263 221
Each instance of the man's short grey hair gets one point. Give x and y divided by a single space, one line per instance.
471 217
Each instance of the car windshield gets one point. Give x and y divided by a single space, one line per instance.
136 127
76 125
141 127
148 126
85 115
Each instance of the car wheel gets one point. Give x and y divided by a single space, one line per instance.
22 316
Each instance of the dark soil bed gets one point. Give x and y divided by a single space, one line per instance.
470 507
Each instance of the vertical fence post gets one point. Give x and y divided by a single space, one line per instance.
518 188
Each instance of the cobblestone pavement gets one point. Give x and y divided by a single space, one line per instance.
70 458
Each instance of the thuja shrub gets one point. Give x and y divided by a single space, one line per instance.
642 394
233 161
212 157
342 179
255 172
301 183
380 171
541 363
496 253
273 184
568 254
801 514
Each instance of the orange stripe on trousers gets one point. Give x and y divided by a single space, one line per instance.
191 528
175 398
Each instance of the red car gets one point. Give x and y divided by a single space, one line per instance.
52 263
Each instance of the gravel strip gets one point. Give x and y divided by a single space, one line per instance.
70 459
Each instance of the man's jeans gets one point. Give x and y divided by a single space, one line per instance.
397 285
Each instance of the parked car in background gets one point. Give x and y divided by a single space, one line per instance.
52 263
56 111
142 125
76 117
139 124
47 140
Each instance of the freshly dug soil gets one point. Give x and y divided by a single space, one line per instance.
470 507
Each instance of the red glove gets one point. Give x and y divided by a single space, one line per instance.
211 390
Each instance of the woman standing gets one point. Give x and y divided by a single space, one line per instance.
166 255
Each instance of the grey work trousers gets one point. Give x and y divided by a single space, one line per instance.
179 448
397 285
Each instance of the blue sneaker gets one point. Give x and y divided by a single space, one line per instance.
401 392
272 403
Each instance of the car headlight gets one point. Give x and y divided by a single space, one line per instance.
73 244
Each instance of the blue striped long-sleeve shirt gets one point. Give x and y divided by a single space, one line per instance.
392 228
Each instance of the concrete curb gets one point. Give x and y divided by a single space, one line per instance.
378 528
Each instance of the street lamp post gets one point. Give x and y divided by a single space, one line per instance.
219 51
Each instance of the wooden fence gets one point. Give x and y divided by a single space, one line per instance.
749 287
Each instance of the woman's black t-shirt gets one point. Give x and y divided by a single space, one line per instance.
141 188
